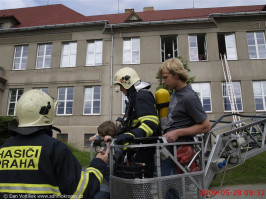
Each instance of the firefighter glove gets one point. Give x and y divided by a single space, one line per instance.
125 137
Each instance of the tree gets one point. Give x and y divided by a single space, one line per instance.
4 127
185 64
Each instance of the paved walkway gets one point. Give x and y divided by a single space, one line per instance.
257 191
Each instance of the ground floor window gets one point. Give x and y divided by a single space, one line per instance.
259 89
92 100
65 101
14 95
237 94
204 92
86 139
63 137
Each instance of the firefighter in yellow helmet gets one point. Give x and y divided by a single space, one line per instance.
35 165
140 119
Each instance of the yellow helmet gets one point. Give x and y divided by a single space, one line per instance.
35 108
126 77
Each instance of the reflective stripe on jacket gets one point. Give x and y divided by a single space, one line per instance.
41 165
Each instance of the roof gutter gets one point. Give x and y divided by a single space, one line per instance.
162 22
236 14
78 24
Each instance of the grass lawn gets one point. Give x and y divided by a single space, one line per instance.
250 172
82 156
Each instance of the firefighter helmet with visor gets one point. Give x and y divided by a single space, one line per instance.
35 108
126 77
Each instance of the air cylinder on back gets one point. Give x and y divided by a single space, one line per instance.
162 100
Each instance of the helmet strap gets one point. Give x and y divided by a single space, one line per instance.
56 129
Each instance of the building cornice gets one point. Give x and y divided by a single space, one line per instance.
162 22
54 26
236 14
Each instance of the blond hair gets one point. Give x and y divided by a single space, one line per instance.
175 67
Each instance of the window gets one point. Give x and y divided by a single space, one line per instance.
197 47
237 91
69 52
92 100
256 45
131 51
124 100
65 101
94 53
20 57
259 89
227 45
86 139
63 137
204 92
44 56
14 95
169 47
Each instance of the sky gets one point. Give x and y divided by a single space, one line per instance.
101 7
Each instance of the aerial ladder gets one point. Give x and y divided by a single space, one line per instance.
229 87
227 145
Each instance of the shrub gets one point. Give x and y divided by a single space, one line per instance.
4 127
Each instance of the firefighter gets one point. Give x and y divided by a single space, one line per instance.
140 119
33 164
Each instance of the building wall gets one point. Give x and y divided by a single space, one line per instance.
76 125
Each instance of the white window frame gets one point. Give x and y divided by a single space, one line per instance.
45 57
174 53
256 45
199 89
193 50
230 45
69 54
21 58
89 98
129 53
124 99
96 52
65 101
238 96
15 101
261 93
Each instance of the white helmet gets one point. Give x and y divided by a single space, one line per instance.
35 108
126 77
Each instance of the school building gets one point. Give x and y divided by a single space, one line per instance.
74 57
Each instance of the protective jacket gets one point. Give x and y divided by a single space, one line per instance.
39 166
143 117
143 122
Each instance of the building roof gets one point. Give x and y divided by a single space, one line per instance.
43 15
160 15
60 14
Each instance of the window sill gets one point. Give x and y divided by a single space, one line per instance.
91 114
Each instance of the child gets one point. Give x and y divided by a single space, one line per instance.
106 129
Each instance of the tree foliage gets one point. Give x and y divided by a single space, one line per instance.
4 127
